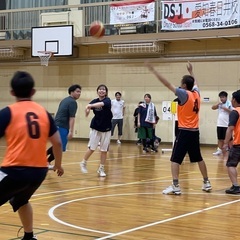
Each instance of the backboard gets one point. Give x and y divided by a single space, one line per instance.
56 39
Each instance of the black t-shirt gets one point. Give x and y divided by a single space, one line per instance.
102 121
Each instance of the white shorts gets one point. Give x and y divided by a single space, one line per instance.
96 137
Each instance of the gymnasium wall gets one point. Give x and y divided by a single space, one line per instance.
216 66
133 79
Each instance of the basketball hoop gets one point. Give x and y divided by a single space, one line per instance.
44 57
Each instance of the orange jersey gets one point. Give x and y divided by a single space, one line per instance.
188 113
26 135
236 133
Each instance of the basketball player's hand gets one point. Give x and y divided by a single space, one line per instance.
59 170
189 67
225 108
225 150
149 66
70 135
87 110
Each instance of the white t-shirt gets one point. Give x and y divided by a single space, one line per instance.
223 116
117 109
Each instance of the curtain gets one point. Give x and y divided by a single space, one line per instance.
21 23
16 4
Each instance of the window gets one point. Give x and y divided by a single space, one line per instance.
2 23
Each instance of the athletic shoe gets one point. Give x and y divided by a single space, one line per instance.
33 238
139 142
83 167
207 186
50 167
101 172
145 150
118 141
218 152
173 189
153 149
233 190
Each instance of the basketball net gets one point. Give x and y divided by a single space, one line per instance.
44 57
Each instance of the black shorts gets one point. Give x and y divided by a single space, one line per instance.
17 185
221 133
234 156
186 142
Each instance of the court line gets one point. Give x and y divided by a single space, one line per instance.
97 160
144 226
167 220
154 180
52 216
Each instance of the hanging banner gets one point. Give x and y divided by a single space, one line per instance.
205 14
132 12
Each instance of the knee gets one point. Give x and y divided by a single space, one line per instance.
16 204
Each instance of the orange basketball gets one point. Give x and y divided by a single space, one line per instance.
97 29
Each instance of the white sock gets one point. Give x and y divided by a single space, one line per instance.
101 166
84 161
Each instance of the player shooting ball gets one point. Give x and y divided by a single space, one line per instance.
187 139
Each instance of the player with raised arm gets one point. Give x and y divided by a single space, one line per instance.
187 139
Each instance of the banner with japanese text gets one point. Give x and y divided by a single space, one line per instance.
132 12
205 14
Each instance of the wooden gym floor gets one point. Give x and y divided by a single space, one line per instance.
128 204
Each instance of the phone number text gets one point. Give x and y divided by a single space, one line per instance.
220 23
